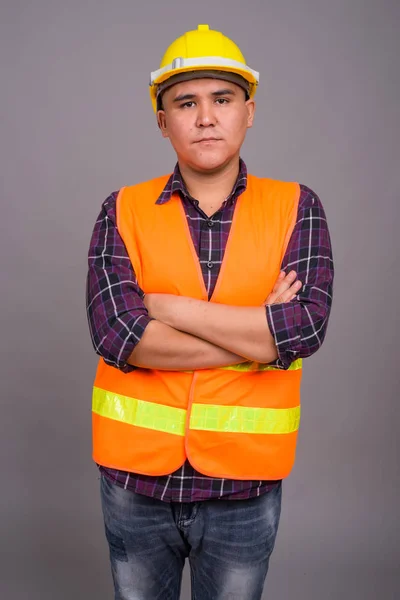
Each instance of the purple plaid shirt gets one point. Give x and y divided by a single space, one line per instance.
117 316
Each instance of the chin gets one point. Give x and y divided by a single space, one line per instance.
209 161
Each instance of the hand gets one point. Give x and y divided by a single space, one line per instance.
285 289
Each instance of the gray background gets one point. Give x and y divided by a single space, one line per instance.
76 124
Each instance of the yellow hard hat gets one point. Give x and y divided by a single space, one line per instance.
203 49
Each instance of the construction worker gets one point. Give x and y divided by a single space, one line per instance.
206 290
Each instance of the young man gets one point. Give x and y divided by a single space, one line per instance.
206 289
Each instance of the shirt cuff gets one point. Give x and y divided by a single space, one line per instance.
284 322
135 337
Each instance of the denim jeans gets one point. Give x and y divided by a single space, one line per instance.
228 544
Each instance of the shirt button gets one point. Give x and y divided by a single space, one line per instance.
210 223
210 265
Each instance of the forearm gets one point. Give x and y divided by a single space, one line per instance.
162 347
239 329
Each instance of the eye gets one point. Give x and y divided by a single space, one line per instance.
188 104
222 100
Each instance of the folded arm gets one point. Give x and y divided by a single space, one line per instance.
241 330
164 348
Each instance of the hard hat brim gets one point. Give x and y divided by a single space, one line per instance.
203 74
194 65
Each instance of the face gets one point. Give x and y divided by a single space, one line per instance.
206 121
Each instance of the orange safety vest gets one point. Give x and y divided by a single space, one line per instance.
236 422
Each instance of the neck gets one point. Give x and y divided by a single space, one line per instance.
210 188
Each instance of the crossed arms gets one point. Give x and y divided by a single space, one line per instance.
194 334
169 332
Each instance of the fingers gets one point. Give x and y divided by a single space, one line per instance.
289 288
285 289
288 294
281 277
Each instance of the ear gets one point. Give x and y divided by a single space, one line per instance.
162 123
251 109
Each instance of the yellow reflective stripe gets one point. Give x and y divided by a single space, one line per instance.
138 412
249 366
239 419
244 366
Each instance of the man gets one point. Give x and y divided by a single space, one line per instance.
206 289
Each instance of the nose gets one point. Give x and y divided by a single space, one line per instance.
206 115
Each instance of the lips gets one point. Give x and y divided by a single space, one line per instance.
208 140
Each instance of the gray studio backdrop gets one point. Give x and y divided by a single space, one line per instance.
76 124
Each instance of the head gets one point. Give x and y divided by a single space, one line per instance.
206 120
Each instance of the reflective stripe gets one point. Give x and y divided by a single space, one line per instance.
139 412
202 61
250 366
239 419
234 419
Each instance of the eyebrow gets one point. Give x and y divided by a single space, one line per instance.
186 97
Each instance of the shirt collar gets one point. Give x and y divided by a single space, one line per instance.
176 184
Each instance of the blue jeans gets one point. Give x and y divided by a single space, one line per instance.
228 544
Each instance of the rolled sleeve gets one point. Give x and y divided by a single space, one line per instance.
299 327
116 313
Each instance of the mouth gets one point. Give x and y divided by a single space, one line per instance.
208 141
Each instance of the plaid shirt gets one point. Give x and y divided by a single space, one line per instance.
117 316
